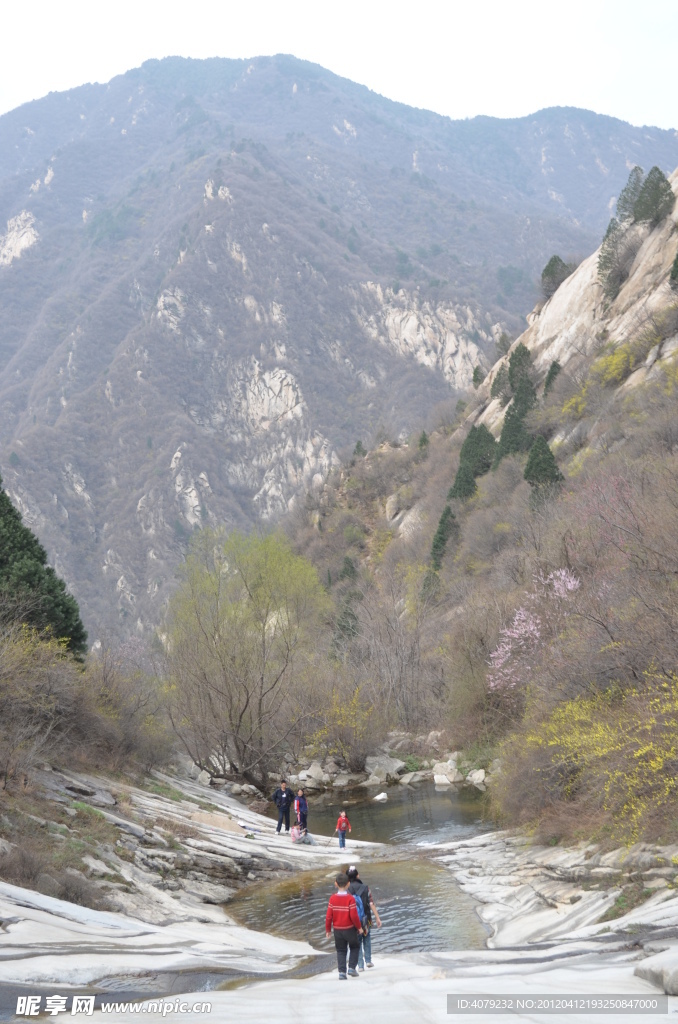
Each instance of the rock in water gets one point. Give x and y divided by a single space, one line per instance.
381 797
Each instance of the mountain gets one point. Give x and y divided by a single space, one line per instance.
216 276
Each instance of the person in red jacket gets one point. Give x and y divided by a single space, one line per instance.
342 915
343 826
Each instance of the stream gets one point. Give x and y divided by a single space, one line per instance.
420 904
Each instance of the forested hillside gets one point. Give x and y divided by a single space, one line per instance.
215 275
510 571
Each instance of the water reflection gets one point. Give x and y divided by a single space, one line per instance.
411 814
419 903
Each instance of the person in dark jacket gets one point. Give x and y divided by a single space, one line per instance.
358 889
282 798
301 810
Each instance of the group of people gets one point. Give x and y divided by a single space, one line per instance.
351 912
284 800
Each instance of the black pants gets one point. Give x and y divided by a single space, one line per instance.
303 819
346 938
284 812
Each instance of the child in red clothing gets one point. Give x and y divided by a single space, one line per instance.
343 825
342 915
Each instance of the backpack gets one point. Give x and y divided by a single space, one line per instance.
361 901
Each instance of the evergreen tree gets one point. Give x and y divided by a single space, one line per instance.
629 195
464 485
541 468
29 587
514 435
423 441
446 526
554 370
504 344
478 450
655 199
673 277
519 366
501 388
359 450
478 377
554 273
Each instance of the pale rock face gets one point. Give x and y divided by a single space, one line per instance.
171 308
578 320
20 235
436 336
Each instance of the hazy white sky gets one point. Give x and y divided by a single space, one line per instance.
457 57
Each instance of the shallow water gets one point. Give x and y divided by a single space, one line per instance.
412 814
420 905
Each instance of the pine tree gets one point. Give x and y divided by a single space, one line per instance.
478 377
423 441
554 273
501 388
673 277
655 200
554 370
514 435
446 526
629 195
359 450
519 365
478 450
464 485
29 587
541 468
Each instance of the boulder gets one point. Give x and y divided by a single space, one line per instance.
332 768
236 789
476 777
341 781
405 780
381 797
315 772
441 780
392 506
373 780
303 776
204 778
389 767
433 738
454 775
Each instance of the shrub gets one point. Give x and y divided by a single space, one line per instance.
554 370
541 469
554 273
655 199
629 195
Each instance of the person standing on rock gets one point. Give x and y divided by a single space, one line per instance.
342 915
301 810
360 890
343 826
282 798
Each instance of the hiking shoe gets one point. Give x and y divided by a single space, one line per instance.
342 977
370 964
352 971
361 968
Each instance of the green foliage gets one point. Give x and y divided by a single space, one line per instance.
446 527
617 252
14 460
554 370
655 199
501 387
413 763
514 435
423 441
478 377
504 343
541 468
673 276
553 275
348 569
29 587
464 485
519 365
629 195
359 450
478 450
